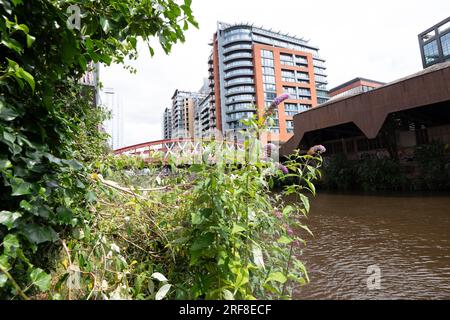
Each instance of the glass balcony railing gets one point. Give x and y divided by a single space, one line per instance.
238 72
237 64
238 55
237 47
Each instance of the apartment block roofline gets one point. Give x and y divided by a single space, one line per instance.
224 26
434 27
345 84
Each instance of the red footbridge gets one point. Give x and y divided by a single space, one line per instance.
163 150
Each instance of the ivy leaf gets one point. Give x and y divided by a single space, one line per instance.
11 244
22 188
3 279
276 276
104 24
38 234
8 218
6 113
40 279
5 164
162 291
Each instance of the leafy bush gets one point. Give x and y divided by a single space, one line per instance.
434 165
370 173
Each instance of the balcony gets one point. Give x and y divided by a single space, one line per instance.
237 39
239 90
237 99
237 47
238 64
239 72
238 55
238 81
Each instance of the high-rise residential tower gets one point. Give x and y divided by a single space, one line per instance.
183 113
167 123
114 125
249 66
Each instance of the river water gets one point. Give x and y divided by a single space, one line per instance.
404 239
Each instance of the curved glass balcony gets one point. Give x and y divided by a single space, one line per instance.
237 38
238 90
237 47
240 98
238 72
238 55
238 81
237 64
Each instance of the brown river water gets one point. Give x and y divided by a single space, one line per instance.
405 238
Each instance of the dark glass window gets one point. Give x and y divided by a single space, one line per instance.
445 41
431 52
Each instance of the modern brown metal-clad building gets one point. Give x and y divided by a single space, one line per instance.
414 110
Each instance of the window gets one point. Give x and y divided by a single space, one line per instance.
304 92
430 51
269 87
445 41
302 75
268 79
292 92
269 95
289 124
268 70
267 62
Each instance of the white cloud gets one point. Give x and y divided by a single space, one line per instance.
375 40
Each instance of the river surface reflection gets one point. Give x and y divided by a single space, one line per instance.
407 237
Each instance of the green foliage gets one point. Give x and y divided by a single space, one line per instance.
213 231
370 173
48 125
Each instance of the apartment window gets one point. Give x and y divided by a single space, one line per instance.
431 52
267 62
291 91
304 93
302 75
289 124
269 95
288 73
269 87
268 79
445 42
267 54
268 70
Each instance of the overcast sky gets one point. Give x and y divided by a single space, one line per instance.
371 39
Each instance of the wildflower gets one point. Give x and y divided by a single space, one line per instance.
290 231
316 149
270 147
276 102
278 214
283 168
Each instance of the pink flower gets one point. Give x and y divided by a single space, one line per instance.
278 214
316 149
290 231
283 168
276 102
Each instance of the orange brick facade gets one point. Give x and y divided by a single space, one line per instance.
259 86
